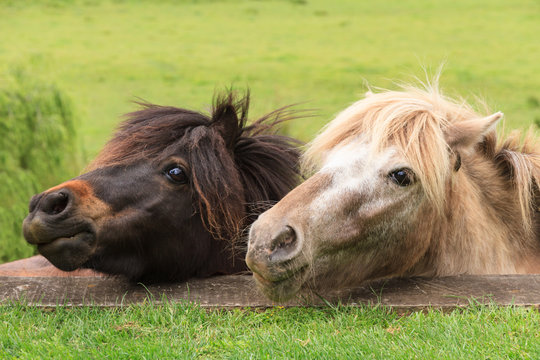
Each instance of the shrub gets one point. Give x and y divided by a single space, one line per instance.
38 149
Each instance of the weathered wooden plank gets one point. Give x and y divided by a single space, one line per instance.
240 291
40 267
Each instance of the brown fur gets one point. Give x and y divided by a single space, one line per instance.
170 195
224 185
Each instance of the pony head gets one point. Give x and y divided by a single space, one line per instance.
398 188
169 196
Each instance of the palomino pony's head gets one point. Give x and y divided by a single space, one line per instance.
395 174
169 194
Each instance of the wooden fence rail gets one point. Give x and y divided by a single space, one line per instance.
240 291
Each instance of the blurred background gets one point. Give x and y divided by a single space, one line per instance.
69 69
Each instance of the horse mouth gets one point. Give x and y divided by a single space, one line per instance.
69 253
66 241
285 286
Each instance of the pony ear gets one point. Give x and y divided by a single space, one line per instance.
470 132
225 120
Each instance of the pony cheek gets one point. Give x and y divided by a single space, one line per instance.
363 229
335 239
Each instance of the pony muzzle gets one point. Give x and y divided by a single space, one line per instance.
46 210
68 253
62 235
273 257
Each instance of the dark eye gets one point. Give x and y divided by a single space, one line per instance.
176 174
402 177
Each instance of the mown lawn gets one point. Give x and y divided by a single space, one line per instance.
187 331
104 54
107 53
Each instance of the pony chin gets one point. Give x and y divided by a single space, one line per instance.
69 253
284 289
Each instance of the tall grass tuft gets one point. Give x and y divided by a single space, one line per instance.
38 149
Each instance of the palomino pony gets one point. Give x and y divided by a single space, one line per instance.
168 196
407 183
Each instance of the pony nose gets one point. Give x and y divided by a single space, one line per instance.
54 203
268 254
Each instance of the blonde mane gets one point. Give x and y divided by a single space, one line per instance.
416 121
404 183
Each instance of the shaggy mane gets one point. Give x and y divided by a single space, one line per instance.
415 120
234 166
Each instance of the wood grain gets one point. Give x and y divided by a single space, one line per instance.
40 267
240 291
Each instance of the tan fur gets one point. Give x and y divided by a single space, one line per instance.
487 227
472 209
80 188
89 204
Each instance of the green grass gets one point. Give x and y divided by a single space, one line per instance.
107 53
188 331
38 146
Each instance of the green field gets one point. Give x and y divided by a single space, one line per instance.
185 331
107 53
102 55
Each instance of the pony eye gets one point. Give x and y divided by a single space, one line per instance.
402 177
176 174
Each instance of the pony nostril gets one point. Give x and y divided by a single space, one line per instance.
55 203
285 238
283 244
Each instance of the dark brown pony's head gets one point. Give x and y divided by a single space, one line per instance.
169 195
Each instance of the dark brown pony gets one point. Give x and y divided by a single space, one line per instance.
169 196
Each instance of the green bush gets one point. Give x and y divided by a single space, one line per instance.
38 149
